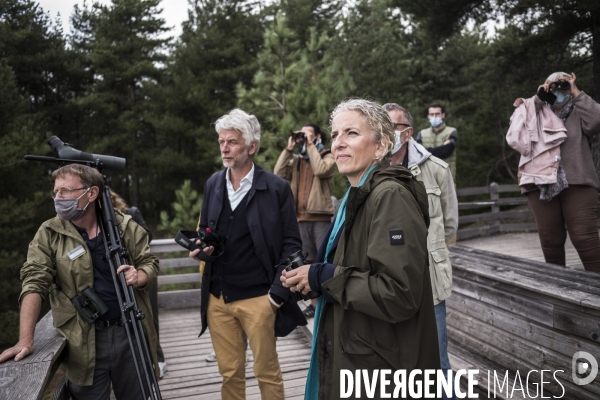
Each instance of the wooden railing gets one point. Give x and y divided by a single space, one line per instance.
176 298
495 220
27 379
510 314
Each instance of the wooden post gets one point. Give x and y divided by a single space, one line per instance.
495 208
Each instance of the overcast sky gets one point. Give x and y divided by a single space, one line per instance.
174 12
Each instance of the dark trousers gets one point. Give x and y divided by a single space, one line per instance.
576 209
114 364
153 293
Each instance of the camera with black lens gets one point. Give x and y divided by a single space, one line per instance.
294 261
209 238
560 85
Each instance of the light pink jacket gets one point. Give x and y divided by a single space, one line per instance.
537 136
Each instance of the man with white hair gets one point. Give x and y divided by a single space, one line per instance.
443 213
241 289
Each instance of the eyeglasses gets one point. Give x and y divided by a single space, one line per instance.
64 191
397 125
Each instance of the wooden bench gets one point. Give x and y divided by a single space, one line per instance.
512 314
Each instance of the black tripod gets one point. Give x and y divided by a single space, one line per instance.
117 255
131 315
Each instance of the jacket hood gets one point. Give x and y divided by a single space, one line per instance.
417 154
385 171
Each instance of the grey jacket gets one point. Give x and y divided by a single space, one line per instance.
575 152
443 213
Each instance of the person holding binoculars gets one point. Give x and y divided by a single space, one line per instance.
552 131
310 173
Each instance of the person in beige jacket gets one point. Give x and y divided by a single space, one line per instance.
443 213
310 174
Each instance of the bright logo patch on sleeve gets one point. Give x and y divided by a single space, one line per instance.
396 237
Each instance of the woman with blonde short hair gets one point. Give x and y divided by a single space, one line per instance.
375 311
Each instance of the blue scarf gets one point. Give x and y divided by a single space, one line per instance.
304 153
311 391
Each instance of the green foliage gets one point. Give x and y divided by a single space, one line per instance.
216 50
116 86
185 211
30 70
119 48
294 85
539 38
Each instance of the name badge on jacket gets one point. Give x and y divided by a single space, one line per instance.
76 252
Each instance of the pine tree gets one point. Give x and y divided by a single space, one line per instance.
268 96
32 86
186 210
121 48
294 85
216 50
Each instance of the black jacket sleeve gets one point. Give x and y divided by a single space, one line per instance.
445 150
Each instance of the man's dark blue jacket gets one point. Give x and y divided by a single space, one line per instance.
271 217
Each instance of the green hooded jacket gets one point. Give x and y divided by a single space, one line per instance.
385 317
48 267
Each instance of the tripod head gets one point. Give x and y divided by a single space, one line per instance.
67 154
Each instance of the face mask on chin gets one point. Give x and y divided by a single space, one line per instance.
68 209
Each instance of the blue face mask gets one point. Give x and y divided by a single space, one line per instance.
435 122
561 97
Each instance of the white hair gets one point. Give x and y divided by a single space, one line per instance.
557 76
242 122
377 120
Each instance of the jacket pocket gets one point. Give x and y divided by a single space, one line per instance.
61 317
435 204
441 273
62 308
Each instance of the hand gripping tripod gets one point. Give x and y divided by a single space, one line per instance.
117 255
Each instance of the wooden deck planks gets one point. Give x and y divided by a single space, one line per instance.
190 376
524 245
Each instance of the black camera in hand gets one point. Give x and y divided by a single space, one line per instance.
209 238
294 261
